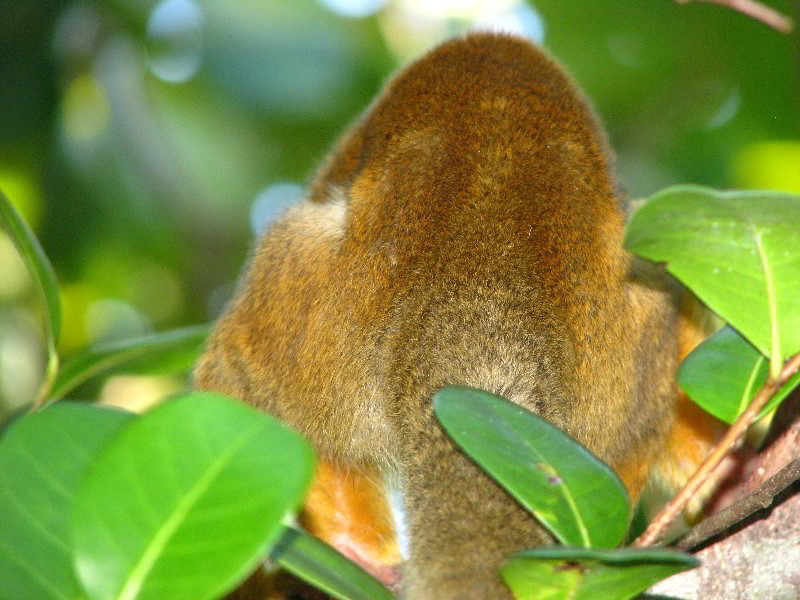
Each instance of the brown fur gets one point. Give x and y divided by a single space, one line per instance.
464 232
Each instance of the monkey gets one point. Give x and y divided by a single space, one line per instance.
465 231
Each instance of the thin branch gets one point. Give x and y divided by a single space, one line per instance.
758 499
730 440
753 560
755 10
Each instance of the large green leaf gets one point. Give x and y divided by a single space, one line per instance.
42 456
574 494
319 564
590 574
169 352
186 500
738 251
725 372
41 272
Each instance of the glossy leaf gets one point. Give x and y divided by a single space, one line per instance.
37 263
44 279
738 251
316 562
574 494
559 573
725 372
186 500
42 457
168 352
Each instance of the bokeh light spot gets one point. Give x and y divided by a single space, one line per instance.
521 19
86 109
771 165
727 110
273 201
23 193
175 40
138 393
109 319
464 9
14 278
21 359
412 26
625 49
354 8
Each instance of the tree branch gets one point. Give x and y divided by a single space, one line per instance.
755 10
730 440
757 558
758 499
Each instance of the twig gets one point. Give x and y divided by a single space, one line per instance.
754 560
755 10
758 499
731 438
43 395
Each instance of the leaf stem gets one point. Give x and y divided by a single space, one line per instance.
49 377
731 438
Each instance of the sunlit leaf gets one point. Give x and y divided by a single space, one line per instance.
738 251
42 456
559 573
169 352
725 372
186 500
319 564
574 494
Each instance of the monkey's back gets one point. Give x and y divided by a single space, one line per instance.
482 147
481 208
465 232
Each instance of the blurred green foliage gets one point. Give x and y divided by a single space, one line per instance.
141 138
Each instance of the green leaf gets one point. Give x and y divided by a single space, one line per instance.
44 278
186 500
738 251
169 352
35 259
42 456
559 573
725 372
574 494
322 566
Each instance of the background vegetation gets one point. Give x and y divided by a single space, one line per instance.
145 142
